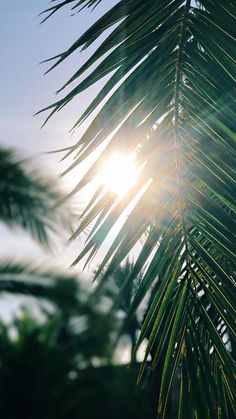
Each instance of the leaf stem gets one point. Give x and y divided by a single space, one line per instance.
178 80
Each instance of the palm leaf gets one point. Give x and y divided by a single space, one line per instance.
172 75
25 279
27 199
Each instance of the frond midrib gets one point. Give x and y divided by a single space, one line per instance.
176 119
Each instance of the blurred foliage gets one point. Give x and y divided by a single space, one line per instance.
58 362
30 200
121 295
61 368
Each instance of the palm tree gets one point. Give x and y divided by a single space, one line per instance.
31 201
170 98
27 199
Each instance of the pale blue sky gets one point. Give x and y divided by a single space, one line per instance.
24 90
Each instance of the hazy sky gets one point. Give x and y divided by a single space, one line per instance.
24 90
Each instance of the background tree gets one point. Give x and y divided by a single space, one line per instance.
172 67
60 366
31 201
28 199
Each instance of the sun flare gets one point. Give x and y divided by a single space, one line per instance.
119 173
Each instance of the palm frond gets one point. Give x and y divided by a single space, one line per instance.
27 199
28 280
81 4
172 71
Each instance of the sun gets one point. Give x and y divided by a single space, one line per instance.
119 173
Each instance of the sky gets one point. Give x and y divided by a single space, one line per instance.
25 90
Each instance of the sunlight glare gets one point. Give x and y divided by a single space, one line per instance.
119 173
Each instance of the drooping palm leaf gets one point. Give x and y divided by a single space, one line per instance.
26 198
24 279
172 68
